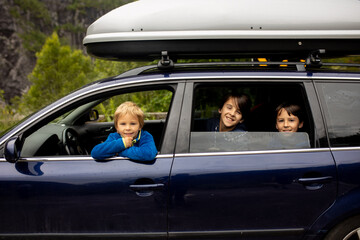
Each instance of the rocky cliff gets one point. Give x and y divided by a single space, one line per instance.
24 26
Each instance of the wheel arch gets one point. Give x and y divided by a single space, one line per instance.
344 208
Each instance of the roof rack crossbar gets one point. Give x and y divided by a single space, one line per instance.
342 64
139 70
300 66
238 63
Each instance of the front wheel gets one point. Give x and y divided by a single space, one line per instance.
347 230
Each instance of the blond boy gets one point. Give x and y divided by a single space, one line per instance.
129 140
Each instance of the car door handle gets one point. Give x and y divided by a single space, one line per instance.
314 183
315 180
146 187
146 190
107 129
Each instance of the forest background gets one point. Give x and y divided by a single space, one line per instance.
42 57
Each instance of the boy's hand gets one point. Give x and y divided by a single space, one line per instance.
128 141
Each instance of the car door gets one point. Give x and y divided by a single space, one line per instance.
249 194
78 196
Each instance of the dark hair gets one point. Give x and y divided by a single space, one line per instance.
291 108
243 102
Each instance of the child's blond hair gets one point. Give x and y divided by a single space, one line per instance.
129 108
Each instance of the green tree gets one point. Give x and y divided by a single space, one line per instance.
58 71
106 68
8 115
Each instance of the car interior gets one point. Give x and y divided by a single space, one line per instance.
77 131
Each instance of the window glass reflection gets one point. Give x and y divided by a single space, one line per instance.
341 103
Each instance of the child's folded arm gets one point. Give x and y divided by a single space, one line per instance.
145 150
112 146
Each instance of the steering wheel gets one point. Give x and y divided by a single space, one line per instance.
72 144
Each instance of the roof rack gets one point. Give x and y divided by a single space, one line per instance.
166 64
312 60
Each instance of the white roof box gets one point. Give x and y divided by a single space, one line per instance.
225 28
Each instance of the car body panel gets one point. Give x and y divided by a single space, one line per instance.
347 203
214 193
277 194
72 196
218 192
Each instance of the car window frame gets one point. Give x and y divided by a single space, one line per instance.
311 101
82 96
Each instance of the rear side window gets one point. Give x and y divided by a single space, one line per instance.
257 129
341 103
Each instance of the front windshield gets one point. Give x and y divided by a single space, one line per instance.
62 117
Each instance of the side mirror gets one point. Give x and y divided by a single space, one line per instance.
93 115
12 149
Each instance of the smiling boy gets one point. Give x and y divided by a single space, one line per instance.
233 111
289 117
129 140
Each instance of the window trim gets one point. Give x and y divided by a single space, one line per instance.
307 91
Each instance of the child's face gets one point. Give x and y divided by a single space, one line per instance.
230 115
286 122
128 126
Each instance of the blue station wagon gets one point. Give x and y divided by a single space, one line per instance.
253 184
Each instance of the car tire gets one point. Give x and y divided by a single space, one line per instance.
347 230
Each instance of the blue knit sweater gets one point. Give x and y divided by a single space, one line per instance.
143 148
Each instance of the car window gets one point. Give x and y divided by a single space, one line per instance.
247 141
258 130
341 104
155 104
78 130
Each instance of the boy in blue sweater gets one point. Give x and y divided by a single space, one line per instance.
129 140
